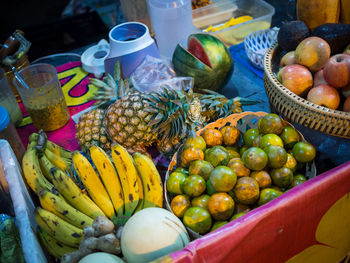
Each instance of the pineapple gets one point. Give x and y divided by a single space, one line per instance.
137 120
90 130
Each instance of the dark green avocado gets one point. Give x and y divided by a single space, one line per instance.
336 35
291 34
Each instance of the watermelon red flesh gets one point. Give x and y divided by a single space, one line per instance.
196 49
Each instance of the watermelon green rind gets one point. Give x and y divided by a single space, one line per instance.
205 77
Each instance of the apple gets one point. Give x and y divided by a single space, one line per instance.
346 106
319 78
312 52
324 95
347 50
287 59
337 71
296 78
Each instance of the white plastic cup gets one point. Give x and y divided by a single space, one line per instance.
172 23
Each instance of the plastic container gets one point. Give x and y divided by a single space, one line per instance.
9 133
172 23
8 99
221 11
44 99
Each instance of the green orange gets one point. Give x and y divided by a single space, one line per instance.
255 158
223 179
210 188
282 177
290 136
221 206
238 215
194 185
201 201
175 182
191 154
268 194
277 156
233 152
270 123
249 136
212 137
196 142
304 152
270 139
262 177
237 165
217 155
230 135
297 180
247 190
291 162
181 170
202 168
180 204
217 225
198 219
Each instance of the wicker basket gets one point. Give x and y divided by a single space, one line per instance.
243 122
296 109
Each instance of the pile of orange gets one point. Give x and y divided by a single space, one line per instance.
225 173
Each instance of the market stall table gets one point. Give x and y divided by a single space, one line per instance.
307 224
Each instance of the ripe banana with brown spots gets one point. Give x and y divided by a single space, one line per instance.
62 209
128 177
151 181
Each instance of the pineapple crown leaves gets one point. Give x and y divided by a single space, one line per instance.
110 88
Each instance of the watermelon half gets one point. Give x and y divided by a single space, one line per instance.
207 60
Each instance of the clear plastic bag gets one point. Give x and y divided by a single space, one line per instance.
154 74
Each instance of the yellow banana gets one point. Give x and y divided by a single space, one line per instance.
141 190
45 166
62 209
109 177
53 246
32 172
93 184
62 163
73 195
128 178
53 147
58 228
151 181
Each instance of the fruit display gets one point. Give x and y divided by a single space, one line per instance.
318 69
83 203
207 60
137 120
209 189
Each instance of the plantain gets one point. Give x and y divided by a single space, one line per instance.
53 147
62 209
62 163
32 172
151 181
93 184
109 177
58 228
128 178
53 246
73 195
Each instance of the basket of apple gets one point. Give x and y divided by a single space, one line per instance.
307 76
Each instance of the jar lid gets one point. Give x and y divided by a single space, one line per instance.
4 118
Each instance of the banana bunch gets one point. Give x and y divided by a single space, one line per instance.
116 187
120 186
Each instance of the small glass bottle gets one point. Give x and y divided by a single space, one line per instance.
8 100
8 132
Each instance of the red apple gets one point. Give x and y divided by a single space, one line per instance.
312 52
287 59
319 78
296 78
337 71
324 95
347 50
346 106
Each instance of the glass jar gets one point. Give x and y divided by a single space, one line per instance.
9 133
8 99
44 99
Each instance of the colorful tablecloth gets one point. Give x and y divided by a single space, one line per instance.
77 89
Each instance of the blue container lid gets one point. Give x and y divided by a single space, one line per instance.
4 118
